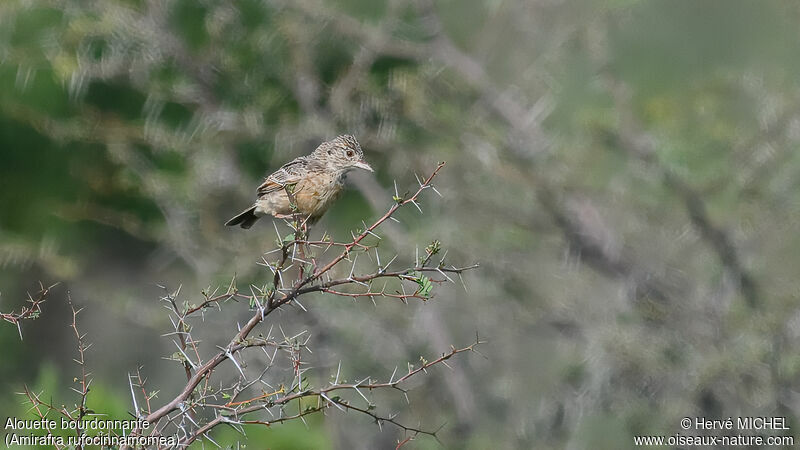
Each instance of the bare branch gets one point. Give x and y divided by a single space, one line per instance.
31 311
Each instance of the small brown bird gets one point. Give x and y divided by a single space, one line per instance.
312 181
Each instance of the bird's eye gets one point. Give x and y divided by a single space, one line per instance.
349 153
330 152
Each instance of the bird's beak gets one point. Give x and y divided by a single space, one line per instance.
363 165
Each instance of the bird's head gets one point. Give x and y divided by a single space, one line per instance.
342 153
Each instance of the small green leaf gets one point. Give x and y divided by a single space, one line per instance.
425 285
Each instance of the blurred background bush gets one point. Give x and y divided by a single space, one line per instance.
625 171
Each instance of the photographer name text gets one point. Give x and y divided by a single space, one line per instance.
738 423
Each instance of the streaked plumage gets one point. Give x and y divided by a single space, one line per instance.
314 182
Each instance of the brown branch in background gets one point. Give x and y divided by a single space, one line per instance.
633 139
31 311
597 256
719 240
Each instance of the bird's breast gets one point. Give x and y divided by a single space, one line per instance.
315 194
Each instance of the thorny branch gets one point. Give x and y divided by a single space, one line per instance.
31 311
325 400
229 403
42 408
84 380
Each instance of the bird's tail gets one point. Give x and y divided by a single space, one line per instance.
245 219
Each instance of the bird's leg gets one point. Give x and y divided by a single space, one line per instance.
304 225
301 233
306 232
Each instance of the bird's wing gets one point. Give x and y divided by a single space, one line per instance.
289 174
